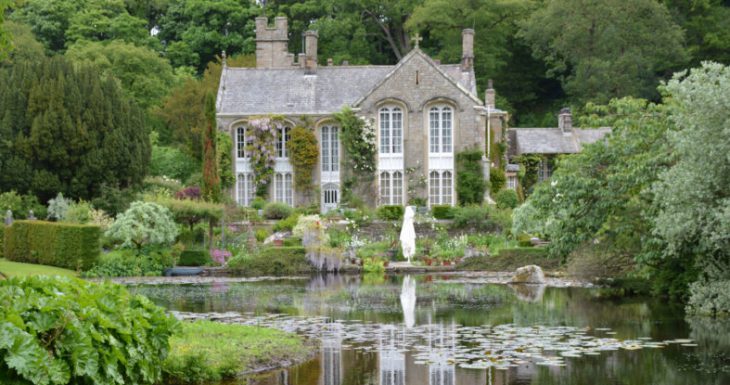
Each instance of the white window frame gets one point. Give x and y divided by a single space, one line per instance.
245 189
283 135
330 148
242 143
441 187
391 130
284 188
441 129
391 187
512 182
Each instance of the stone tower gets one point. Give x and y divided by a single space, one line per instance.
272 43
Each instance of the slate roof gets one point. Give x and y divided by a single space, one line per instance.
552 140
258 91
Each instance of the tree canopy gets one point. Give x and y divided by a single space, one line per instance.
603 49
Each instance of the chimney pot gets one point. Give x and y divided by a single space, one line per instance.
310 51
565 121
490 95
467 49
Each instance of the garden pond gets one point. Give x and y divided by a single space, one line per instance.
455 329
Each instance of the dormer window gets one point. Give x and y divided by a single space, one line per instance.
391 130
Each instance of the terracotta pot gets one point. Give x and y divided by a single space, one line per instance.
428 261
447 263
278 242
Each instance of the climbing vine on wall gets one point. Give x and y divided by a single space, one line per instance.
304 155
359 141
260 137
528 171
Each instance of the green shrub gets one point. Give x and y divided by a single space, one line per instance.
194 258
2 240
497 180
51 243
390 213
272 261
442 212
67 331
277 210
261 234
127 263
524 240
21 205
373 265
78 212
507 199
482 218
288 223
509 259
258 203
470 183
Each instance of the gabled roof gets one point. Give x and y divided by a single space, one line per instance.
467 77
288 91
552 140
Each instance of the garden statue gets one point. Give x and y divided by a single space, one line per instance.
408 234
8 218
408 301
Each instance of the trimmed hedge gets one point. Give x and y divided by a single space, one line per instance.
273 261
65 245
194 258
442 212
390 213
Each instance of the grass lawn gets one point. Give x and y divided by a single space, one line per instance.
210 351
15 269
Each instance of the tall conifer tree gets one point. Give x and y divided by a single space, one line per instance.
211 179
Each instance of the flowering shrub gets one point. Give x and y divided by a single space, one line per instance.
220 256
260 138
191 192
144 223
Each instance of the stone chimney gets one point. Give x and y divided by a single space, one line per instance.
272 43
565 121
490 95
467 49
310 52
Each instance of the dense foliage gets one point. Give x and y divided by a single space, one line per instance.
50 243
304 154
67 331
272 261
68 131
470 183
152 261
390 213
693 218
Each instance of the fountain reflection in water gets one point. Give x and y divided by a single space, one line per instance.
408 301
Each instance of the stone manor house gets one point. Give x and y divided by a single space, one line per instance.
424 113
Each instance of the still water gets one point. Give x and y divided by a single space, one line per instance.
455 329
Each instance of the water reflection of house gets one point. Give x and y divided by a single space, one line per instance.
331 359
392 359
